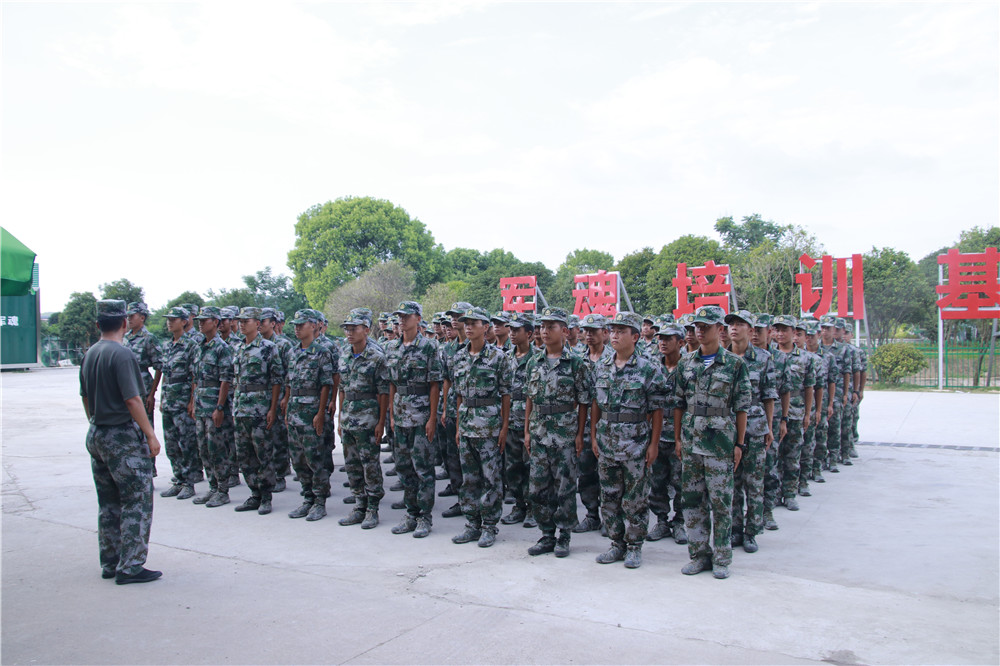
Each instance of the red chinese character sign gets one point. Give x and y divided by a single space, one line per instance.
710 284
850 291
596 293
519 293
972 290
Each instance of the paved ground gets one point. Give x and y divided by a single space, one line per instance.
893 561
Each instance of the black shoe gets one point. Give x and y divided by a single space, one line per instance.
302 511
447 492
509 499
750 544
562 543
234 480
545 545
530 522
399 505
251 504
516 515
172 491
452 511
355 517
279 485
468 536
144 576
107 574
396 487
187 492
588 524
203 499
736 539
264 508
350 499
391 472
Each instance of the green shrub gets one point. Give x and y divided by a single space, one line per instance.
896 360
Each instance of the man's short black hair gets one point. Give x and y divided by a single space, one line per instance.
110 324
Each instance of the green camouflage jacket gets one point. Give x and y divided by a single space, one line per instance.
842 363
146 348
309 370
637 389
448 352
519 377
195 335
256 368
760 367
415 366
670 401
365 373
215 365
483 376
177 361
795 375
567 382
723 389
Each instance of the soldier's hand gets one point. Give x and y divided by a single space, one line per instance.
768 439
579 444
150 402
677 449
271 417
190 410
829 410
527 443
379 432
737 456
782 430
318 422
652 451
593 447
430 428
217 418
502 440
441 420
154 446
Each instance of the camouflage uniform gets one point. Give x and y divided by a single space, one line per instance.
665 475
516 462
178 360
215 365
146 348
819 369
279 431
449 407
309 371
862 366
589 480
363 378
329 427
843 364
795 376
229 423
827 373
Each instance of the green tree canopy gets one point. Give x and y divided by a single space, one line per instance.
764 277
896 292
752 232
123 290
78 321
339 240
380 288
576 263
634 269
691 250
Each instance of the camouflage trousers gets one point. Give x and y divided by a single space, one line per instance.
665 485
255 455
847 429
415 465
772 476
481 494
707 499
790 453
748 485
855 415
123 476
452 459
552 485
279 444
364 470
589 483
214 450
329 441
819 454
833 433
808 449
180 440
229 435
624 498
516 464
308 454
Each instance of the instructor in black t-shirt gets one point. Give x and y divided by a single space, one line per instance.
122 446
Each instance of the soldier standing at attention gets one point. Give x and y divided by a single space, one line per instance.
364 401
589 481
270 330
308 387
122 445
257 371
178 360
229 335
710 419
415 377
647 339
189 328
213 377
690 338
842 368
824 403
809 426
849 419
795 387
448 412
516 459
329 429
559 390
501 327
482 381
146 348
666 472
626 418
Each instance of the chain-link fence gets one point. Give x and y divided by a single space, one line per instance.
966 365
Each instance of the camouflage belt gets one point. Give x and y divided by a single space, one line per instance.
701 410
797 393
413 390
354 396
545 410
479 402
517 395
294 393
623 417
249 388
177 380
209 383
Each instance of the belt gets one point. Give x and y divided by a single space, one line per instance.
354 396
178 380
553 409
623 417
413 390
249 388
479 402
797 393
701 410
209 383
517 394
294 393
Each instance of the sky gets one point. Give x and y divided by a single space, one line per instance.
176 144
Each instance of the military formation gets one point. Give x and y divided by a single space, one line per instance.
710 422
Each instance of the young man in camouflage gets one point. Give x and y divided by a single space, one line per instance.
364 402
146 348
626 418
515 457
819 389
501 327
849 418
179 355
329 427
482 383
795 388
233 338
589 481
665 475
189 328
559 390
842 366
447 412
213 377
415 377
270 330
824 406
749 476
257 370
308 390
710 418
122 445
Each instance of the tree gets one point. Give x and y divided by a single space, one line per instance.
578 262
750 233
483 289
896 292
157 322
263 289
441 295
764 277
380 288
123 290
634 269
690 249
340 240
78 321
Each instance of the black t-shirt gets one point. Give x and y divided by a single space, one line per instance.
109 375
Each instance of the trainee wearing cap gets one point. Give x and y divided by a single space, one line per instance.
306 316
763 320
408 308
784 320
110 307
573 321
269 313
249 313
137 308
742 315
475 313
671 329
555 314
191 308
501 318
828 320
229 312
630 319
709 314
177 312
458 309
594 321
209 312
359 317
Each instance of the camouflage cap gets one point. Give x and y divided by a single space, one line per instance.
784 320
384 316
668 317
709 314
320 316
177 312
650 318
671 329
659 323
742 315
811 326
394 320
110 307
763 320
229 312
190 307
281 315
841 323
305 316
457 309
594 321
501 317
555 314
408 308
268 313
630 319
476 313
803 323
573 321
209 312
137 308
249 313
518 321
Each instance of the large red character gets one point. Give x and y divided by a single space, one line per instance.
599 294
822 298
973 291
518 293
701 287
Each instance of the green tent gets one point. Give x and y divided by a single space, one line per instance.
16 262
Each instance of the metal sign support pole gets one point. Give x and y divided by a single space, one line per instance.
940 334
621 288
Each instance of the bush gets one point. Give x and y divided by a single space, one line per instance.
896 360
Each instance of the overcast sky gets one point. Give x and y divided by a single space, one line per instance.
176 144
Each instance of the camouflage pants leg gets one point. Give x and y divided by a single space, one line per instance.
452 459
552 485
279 445
369 468
308 455
481 494
415 464
123 477
748 485
352 466
589 481
214 452
255 455
516 464
806 459
846 429
708 502
329 441
819 450
229 437
790 453
833 434
856 414
625 498
676 465
659 484
772 477
180 439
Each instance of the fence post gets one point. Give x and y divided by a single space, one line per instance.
940 334
989 368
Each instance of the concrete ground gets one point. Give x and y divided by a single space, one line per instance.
894 560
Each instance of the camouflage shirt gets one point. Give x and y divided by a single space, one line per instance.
795 375
146 348
519 377
256 368
760 367
363 373
309 370
177 364
195 335
416 366
215 365
483 376
637 388
670 401
448 352
723 385
564 382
